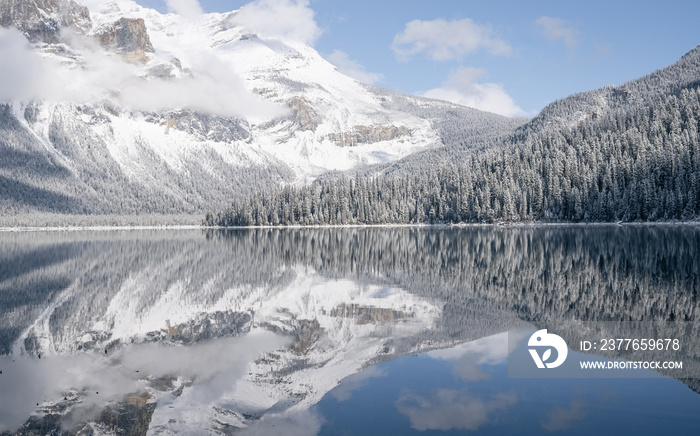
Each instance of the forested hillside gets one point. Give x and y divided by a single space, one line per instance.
638 161
644 91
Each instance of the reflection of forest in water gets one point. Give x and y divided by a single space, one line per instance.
489 278
585 273
538 274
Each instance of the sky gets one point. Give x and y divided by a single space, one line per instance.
507 57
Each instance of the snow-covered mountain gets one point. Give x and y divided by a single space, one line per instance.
129 110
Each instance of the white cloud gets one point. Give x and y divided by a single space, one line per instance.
444 40
24 75
213 87
21 70
461 88
556 28
352 68
185 8
492 350
289 19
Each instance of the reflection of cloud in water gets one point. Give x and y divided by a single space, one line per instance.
492 350
562 419
467 368
469 356
450 409
353 382
26 382
215 366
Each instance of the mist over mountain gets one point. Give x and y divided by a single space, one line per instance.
119 109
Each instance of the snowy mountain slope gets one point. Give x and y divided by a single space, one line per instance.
463 130
131 110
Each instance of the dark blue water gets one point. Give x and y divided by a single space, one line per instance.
469 392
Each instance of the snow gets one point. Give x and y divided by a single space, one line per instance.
208 47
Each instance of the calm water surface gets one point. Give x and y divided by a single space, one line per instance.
339 331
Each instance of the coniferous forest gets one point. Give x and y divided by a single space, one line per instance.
638 163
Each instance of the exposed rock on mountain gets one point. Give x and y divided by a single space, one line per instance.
367 135
305 116
129 37
43 20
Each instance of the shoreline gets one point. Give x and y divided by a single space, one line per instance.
95 228
103 228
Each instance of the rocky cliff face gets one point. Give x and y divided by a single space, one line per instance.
129 37
42 20
305 116
368 135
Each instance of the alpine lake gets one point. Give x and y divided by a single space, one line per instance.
350 331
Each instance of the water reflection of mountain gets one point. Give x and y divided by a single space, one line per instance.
358 295
486 277
585 273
